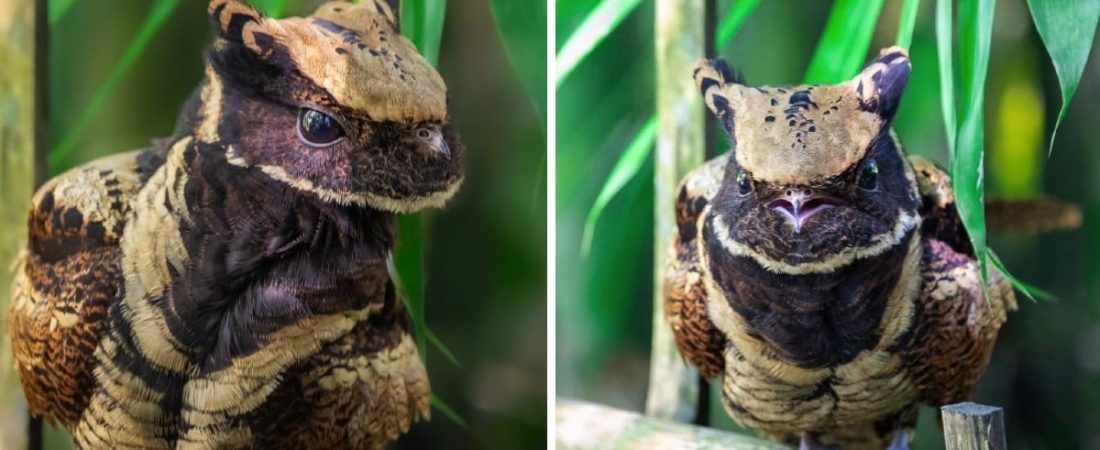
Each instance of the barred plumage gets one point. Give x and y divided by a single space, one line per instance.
824 279
229 287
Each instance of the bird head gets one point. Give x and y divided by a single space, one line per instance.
337 104
816 180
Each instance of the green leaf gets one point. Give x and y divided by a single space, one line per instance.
596 26
1067 29
57 10
1032 292
975 24
438 404
906 22
422 23
947 72
522 27
270 8
439 345
160 12
626 168
408 276
731 22
843 46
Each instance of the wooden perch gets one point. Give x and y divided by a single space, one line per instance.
970 426
588 426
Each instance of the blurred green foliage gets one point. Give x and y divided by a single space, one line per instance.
1046 368
482 258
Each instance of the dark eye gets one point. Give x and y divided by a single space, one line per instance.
423 133
318 129
868 176
744 183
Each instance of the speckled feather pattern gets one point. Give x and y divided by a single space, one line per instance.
843 347
228 287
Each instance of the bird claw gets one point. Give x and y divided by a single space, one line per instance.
900 441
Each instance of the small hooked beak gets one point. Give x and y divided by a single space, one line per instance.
798 205
443 148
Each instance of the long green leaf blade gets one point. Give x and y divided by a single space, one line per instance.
408 259
731 22
906 22
57 10
945 56
595 27
626 168
422 23
843 46
1067 29
975 29
438 404
522 28
160 12
1032 292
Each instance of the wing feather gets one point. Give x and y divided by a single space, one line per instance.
65 280
699 341
955 324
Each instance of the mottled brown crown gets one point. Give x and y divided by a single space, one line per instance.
352 51
808 133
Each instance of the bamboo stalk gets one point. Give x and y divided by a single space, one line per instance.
680 41
17 180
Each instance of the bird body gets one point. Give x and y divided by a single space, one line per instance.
229 287
824 278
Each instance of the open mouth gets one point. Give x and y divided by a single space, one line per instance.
800 207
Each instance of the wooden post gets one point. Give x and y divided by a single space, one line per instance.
680 41
589 426
18 109
970 426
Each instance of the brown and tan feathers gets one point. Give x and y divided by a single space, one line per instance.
954 327
842 328
685 306
802 133
375 372
352 51
1031 215
65 281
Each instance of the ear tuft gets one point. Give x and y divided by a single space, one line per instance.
395 12
881 84
229 18
712 77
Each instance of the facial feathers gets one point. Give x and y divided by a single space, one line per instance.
804 133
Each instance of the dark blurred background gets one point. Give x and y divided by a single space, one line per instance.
485 253
1045 371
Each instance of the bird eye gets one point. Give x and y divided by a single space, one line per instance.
868 176
744 183
423 133
317 129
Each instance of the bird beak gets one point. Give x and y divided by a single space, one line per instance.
798 205
442 147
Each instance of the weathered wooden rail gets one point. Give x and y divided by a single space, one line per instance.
590 426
